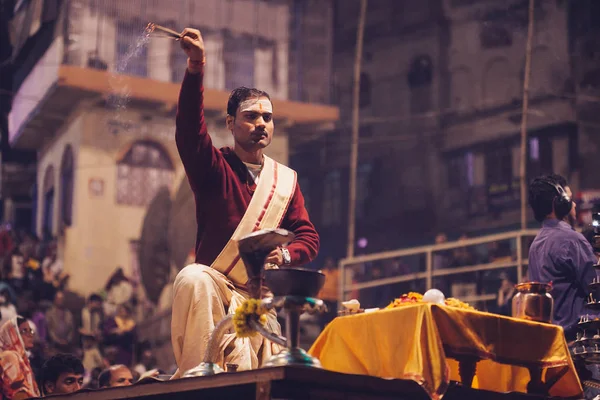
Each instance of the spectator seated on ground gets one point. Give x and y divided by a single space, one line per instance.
120 375
120 331
61 326
92 357
92 317
115 376
62 374
119 291
17 380
14 271
53 269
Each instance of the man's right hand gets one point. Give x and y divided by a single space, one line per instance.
193 45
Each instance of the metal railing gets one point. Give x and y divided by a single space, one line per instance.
514 262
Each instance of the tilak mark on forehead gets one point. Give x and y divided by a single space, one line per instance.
258 105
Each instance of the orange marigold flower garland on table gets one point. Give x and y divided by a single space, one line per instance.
413 298
406 299
453 302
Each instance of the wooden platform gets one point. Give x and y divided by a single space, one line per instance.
287 383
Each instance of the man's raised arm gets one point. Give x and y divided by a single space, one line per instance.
198 155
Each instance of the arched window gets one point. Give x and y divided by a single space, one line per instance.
48 202
420 77
66 186
141 172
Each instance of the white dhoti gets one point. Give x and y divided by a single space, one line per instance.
203 296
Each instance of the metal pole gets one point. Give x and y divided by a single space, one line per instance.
355 129
342 283
523 163
429 269
520 237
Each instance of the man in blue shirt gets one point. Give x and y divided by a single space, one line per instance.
559 254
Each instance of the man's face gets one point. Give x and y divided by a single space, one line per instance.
252 127
441 238
59 299
26 334
572 216
121 377
67 382
95 305
147 357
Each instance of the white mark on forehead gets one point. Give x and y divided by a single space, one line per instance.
257 105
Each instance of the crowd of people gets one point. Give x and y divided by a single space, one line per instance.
50 342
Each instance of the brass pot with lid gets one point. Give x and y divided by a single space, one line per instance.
533 302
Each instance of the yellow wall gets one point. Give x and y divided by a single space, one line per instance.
99 239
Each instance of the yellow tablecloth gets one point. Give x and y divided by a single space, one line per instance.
413 342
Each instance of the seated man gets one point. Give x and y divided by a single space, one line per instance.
115 376
237 191
62 374
559 254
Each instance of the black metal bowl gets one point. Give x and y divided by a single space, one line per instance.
294 281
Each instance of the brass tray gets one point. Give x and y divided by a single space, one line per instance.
589 325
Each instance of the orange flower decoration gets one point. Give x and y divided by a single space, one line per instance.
413 297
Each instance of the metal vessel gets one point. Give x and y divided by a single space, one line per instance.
533 302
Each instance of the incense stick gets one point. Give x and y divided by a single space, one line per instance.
158 35
169 32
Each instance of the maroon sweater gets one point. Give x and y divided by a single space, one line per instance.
220 182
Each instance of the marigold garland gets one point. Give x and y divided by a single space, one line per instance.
405 299
413 298
249 309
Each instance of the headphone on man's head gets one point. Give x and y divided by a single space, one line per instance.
562 202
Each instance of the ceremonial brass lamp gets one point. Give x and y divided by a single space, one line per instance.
294 290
